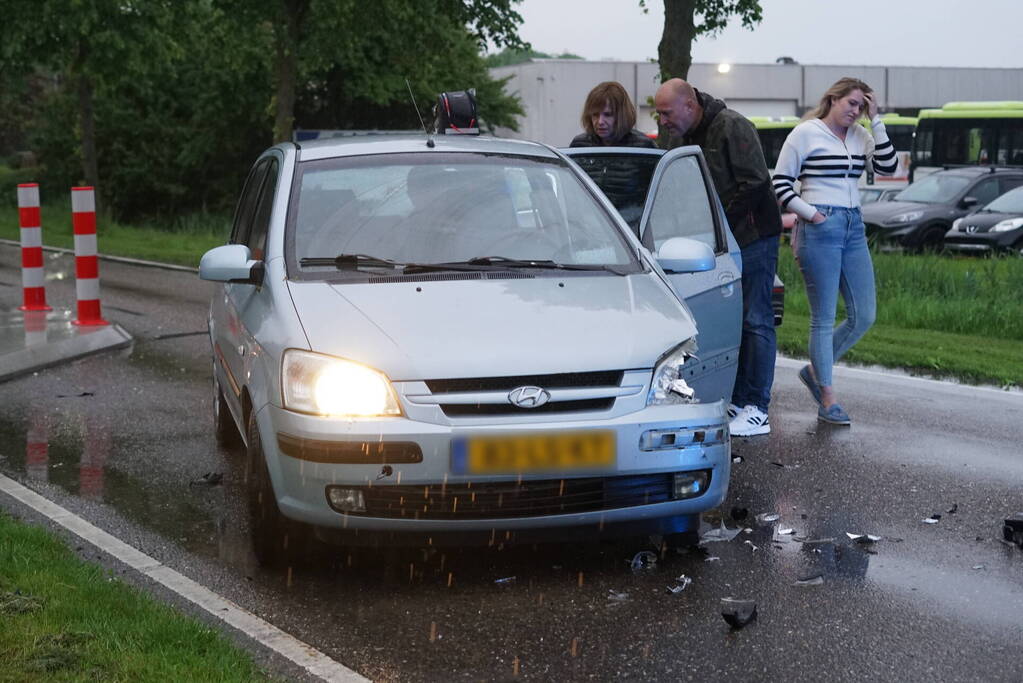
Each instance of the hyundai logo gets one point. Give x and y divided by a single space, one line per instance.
528 397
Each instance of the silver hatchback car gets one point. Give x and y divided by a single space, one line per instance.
462 336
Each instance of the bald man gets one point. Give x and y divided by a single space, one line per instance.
732 149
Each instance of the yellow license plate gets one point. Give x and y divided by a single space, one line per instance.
533 452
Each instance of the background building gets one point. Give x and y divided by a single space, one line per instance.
553 90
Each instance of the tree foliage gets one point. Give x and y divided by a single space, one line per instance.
510 56
183 94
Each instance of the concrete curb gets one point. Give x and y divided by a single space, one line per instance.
32 358
116 259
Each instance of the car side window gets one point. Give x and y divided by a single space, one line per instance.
1010 183
247 204
261 222
985 191
682 206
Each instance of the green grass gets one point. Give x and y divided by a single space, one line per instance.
944 316
64 620
182 242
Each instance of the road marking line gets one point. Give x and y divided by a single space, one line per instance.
895 373
263 632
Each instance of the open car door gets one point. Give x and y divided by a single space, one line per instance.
662 195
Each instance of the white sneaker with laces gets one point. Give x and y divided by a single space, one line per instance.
751 421
733 410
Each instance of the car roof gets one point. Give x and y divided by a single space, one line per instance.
980 170
357 145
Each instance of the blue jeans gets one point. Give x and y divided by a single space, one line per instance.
759 345
834 257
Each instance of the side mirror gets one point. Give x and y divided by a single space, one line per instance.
685 255
967 202
231 263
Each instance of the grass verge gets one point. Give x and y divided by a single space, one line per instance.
182 243
64 619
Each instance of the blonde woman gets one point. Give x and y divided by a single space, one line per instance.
827 153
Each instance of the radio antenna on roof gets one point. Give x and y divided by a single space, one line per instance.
429 135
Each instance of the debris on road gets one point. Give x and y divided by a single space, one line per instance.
786 532
978 566
208 479
644 560
505 580
738 514
738 613
863 538
1012 531
933 519
750 544
722 533
681 583
952 510
814 541
767 517
812 580
615 596
712 558
737 459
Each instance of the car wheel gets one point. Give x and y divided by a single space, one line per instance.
276 540
1017 248
224 426
933 238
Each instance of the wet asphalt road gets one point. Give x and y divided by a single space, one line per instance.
119 438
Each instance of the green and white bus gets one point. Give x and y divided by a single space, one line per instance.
901 130
968 134
772 131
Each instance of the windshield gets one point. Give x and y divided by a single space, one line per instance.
1010 202
938 188
992 140
436 208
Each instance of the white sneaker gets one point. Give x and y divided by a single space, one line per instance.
750 421
733 410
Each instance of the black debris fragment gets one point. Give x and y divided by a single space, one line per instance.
738 613
81 395
1012 531
952 510
777 464
208 479
738 514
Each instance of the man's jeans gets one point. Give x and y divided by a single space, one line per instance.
758 346
834 257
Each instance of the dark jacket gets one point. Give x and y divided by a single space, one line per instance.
736 161
632 139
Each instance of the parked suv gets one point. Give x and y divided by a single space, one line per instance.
919 216
462 336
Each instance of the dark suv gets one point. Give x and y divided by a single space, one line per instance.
920 215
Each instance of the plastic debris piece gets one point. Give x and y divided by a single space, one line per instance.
615 596
952 510
712 558
680 387
814 541
737 459
208 479
644 560
722 533
978 566
813 580
747 530
933 519
505 580
786 532
738 514
750 544
765 517
738 613
1012 531
780 465
681 583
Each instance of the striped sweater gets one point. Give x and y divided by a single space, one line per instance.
827 167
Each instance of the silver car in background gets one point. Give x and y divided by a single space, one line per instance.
462 337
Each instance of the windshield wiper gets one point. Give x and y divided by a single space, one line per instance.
350 261
503 263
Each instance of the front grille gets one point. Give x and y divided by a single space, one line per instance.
490 409
516 499
565 380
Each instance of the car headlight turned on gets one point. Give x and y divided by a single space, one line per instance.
668 386
1007 225
907 217
324 385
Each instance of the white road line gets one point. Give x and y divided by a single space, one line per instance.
896 374
265 633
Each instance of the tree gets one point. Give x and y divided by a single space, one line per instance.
687 20
512 56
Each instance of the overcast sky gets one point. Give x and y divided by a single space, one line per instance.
980 33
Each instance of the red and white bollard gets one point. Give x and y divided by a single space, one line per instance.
83 220
33 277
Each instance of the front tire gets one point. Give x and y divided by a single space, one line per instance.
276 540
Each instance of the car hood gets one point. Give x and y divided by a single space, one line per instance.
479 328
983 221
881 211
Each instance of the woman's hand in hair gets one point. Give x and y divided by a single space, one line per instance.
870 108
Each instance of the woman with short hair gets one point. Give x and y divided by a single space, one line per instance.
827 153
609 119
